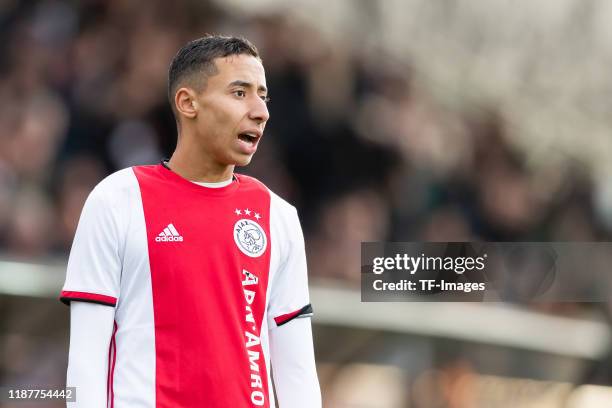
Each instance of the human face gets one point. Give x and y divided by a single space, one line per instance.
232 111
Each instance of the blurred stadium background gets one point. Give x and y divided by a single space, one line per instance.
403 120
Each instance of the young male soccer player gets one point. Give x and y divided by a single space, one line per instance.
187 282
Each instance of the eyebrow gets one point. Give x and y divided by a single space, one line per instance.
247 85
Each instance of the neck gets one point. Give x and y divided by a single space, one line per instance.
193 163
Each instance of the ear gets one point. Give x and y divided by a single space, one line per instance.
185 102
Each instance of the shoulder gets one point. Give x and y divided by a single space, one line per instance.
116 187
281 206
284 216
119 181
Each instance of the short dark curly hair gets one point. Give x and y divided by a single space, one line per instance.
197 57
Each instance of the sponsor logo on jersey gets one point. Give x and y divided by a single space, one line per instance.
252 339
250 237
169 234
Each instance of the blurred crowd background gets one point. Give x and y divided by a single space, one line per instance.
390 121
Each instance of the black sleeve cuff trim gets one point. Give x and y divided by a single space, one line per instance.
67 300
303 312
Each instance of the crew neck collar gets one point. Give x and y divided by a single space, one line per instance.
196 186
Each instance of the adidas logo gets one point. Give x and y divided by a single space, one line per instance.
169 234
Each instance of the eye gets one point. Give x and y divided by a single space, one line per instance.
240 93
265 98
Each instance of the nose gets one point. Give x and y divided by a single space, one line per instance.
259 111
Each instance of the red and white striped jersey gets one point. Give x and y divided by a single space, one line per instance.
198 276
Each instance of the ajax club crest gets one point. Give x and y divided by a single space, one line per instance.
250 237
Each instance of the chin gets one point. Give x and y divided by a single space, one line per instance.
243 161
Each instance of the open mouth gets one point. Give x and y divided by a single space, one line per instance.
249 138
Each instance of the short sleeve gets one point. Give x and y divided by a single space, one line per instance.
94 265
289 298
